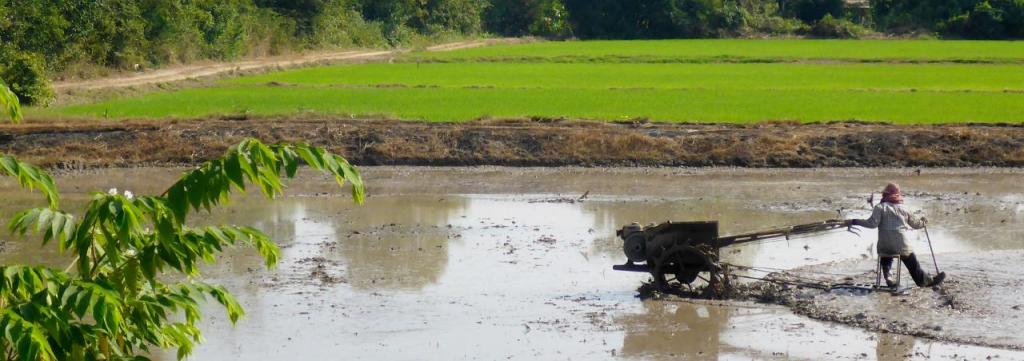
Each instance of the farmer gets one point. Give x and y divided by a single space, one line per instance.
893 220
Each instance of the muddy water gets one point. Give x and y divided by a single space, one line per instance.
498 263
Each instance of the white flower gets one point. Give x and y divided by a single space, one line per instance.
112 191
129 194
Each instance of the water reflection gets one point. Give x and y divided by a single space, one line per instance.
894 347
398 242
518 269
674 331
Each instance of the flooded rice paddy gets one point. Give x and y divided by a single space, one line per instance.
511 263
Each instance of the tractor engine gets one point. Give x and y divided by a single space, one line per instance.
672 251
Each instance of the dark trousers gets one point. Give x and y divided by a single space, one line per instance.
913 267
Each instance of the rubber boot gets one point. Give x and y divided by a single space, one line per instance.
886 275
937 280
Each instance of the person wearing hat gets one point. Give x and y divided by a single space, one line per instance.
893 220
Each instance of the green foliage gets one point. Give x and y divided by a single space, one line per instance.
982 19
26 77
40 38
644 19
340 24
761 18
402 20
986 21
677 18
135 286
256 163
811 11
548 18
830 27
553 20
10 106
181 31
127 34
459 16
30 177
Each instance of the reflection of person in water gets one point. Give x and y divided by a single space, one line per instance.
893 220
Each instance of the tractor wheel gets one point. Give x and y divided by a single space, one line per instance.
684 264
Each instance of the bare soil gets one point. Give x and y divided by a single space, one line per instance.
524 142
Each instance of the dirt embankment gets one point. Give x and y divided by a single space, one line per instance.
525 143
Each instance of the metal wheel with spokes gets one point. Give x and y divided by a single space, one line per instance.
681 265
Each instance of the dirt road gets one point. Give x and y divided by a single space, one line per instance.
209 69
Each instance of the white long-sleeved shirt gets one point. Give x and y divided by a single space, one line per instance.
892 221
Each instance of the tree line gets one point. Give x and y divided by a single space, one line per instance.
40 39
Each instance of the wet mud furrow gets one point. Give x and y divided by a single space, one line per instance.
980 303
525 143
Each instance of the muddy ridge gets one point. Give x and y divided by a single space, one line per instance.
524 142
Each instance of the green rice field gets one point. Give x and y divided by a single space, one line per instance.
711 50
808 80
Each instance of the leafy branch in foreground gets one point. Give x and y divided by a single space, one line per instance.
28 176
114 301
9 103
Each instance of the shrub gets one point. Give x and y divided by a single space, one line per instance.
461 16
26 76
547 18
553 21
1013 17
830 27
271 34
811 11
341 25
762 17
982 22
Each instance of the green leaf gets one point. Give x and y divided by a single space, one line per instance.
234 171
136 260
82 302
9 103
30 177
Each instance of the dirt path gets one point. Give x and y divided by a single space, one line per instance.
208 69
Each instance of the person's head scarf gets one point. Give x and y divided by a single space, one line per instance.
891 194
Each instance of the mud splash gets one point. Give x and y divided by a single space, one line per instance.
495 263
